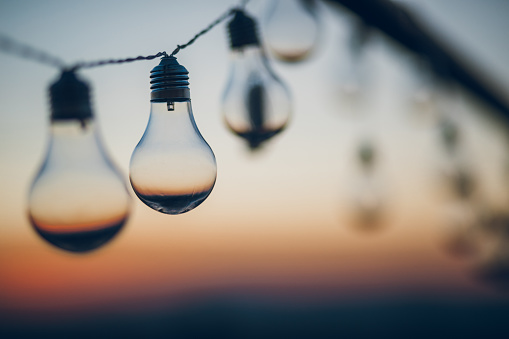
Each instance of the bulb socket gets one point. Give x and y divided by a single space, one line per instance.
243 30
169 81
70 98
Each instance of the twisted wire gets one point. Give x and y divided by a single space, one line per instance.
223 17
11 46
92 64
19 49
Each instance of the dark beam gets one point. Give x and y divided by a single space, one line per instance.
405 28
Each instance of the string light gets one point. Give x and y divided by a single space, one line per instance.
292 29
256 104
368 202
172 168
11 46
78 200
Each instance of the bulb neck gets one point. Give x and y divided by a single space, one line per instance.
169 81
247 54
242 30
70 98
74 143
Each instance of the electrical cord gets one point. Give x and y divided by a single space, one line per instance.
13 47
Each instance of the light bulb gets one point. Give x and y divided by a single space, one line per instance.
492 266
172 169
460 210
461 229
292 29
354 77
256 104
422 92
78 200
367 198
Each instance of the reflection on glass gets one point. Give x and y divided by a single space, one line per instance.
172 169
292 29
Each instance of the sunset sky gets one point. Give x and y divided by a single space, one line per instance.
279 222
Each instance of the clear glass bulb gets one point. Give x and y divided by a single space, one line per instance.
256 104
368 200
292 29
78 200
172 169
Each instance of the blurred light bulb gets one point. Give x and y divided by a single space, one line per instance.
292 29
461 236
172 168
256 104
422 103
354 75
492 266
78 200
367 198
460 208
367 206
420 88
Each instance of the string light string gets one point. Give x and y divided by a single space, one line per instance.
13 47
92 64
223 17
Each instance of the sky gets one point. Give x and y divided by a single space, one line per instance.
279 222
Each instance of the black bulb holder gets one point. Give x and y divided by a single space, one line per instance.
70 98
242 30
169 81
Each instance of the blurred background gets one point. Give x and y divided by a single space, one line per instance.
381 209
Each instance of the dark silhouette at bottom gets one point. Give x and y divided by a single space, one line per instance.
81 241
174 204
255 137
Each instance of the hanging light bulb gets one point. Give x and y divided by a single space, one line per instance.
368 203
172 168
78 200
292 29
491 264
460 209
256 104
354 76
421 92
461 229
